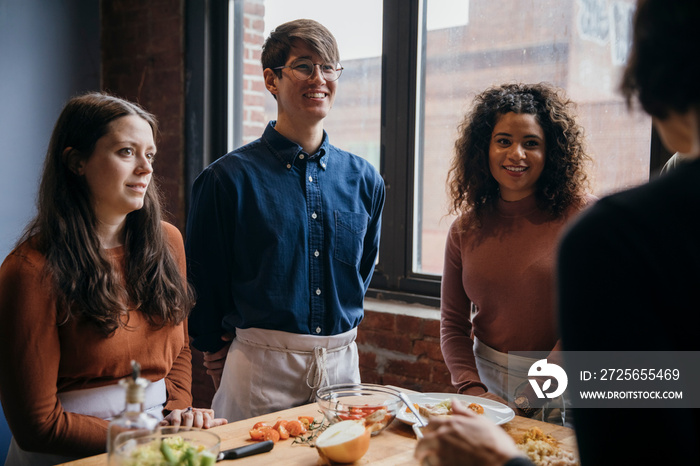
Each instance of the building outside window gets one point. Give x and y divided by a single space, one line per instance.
430 57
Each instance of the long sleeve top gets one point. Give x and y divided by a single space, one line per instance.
42 357
628 275
283 240
505 269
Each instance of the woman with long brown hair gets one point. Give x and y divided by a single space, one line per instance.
96 280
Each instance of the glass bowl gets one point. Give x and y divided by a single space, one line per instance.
376 404
167 445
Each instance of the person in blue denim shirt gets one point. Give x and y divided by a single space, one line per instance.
282 238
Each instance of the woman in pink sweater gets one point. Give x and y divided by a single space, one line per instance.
518 175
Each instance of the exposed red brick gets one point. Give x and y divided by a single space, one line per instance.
379 320
430 387
440 374
255 100
370 376
417 369
431 328
409 326
368 360
394 342
254 8
430 349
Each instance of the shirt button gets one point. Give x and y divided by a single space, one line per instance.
311 178
301 156
289 165
316 253
314 215
318 329
318 291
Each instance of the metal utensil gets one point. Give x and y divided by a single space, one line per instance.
246 450
420 422
417 431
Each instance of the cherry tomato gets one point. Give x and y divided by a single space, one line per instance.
280 422
271 434
306 420
257 434
284 433
296 428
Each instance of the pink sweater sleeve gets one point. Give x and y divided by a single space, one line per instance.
455 324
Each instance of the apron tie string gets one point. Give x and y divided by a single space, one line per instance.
317 375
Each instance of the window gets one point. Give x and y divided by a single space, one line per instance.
468 46
411 70
354 122
452 49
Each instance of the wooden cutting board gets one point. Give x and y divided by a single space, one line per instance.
394 446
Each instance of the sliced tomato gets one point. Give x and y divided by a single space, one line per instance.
284 433
296 428
257 434
280 422
271 434
306 420
260 424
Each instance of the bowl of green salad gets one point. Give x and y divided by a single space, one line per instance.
167 446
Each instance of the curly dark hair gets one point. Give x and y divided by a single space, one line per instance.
563 182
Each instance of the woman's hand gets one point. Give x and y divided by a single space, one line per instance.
464 438
214 362
193 417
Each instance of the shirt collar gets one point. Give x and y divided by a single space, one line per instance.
287 152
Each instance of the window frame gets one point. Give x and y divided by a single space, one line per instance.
208 118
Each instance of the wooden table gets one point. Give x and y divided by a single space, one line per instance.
394 446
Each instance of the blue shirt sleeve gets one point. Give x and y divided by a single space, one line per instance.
371 243
209 259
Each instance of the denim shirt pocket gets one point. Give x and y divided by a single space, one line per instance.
350 231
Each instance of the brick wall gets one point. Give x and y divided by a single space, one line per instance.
143 61
254 90
402 350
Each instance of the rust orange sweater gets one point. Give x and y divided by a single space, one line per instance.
39 358
506 268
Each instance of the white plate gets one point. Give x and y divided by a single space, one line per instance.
493 410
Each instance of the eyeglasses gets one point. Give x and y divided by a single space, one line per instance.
303 69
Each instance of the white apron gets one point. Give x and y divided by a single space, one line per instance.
494 372
270 370
103 402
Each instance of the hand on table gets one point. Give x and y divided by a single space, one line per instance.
464 438
193 417
214 362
